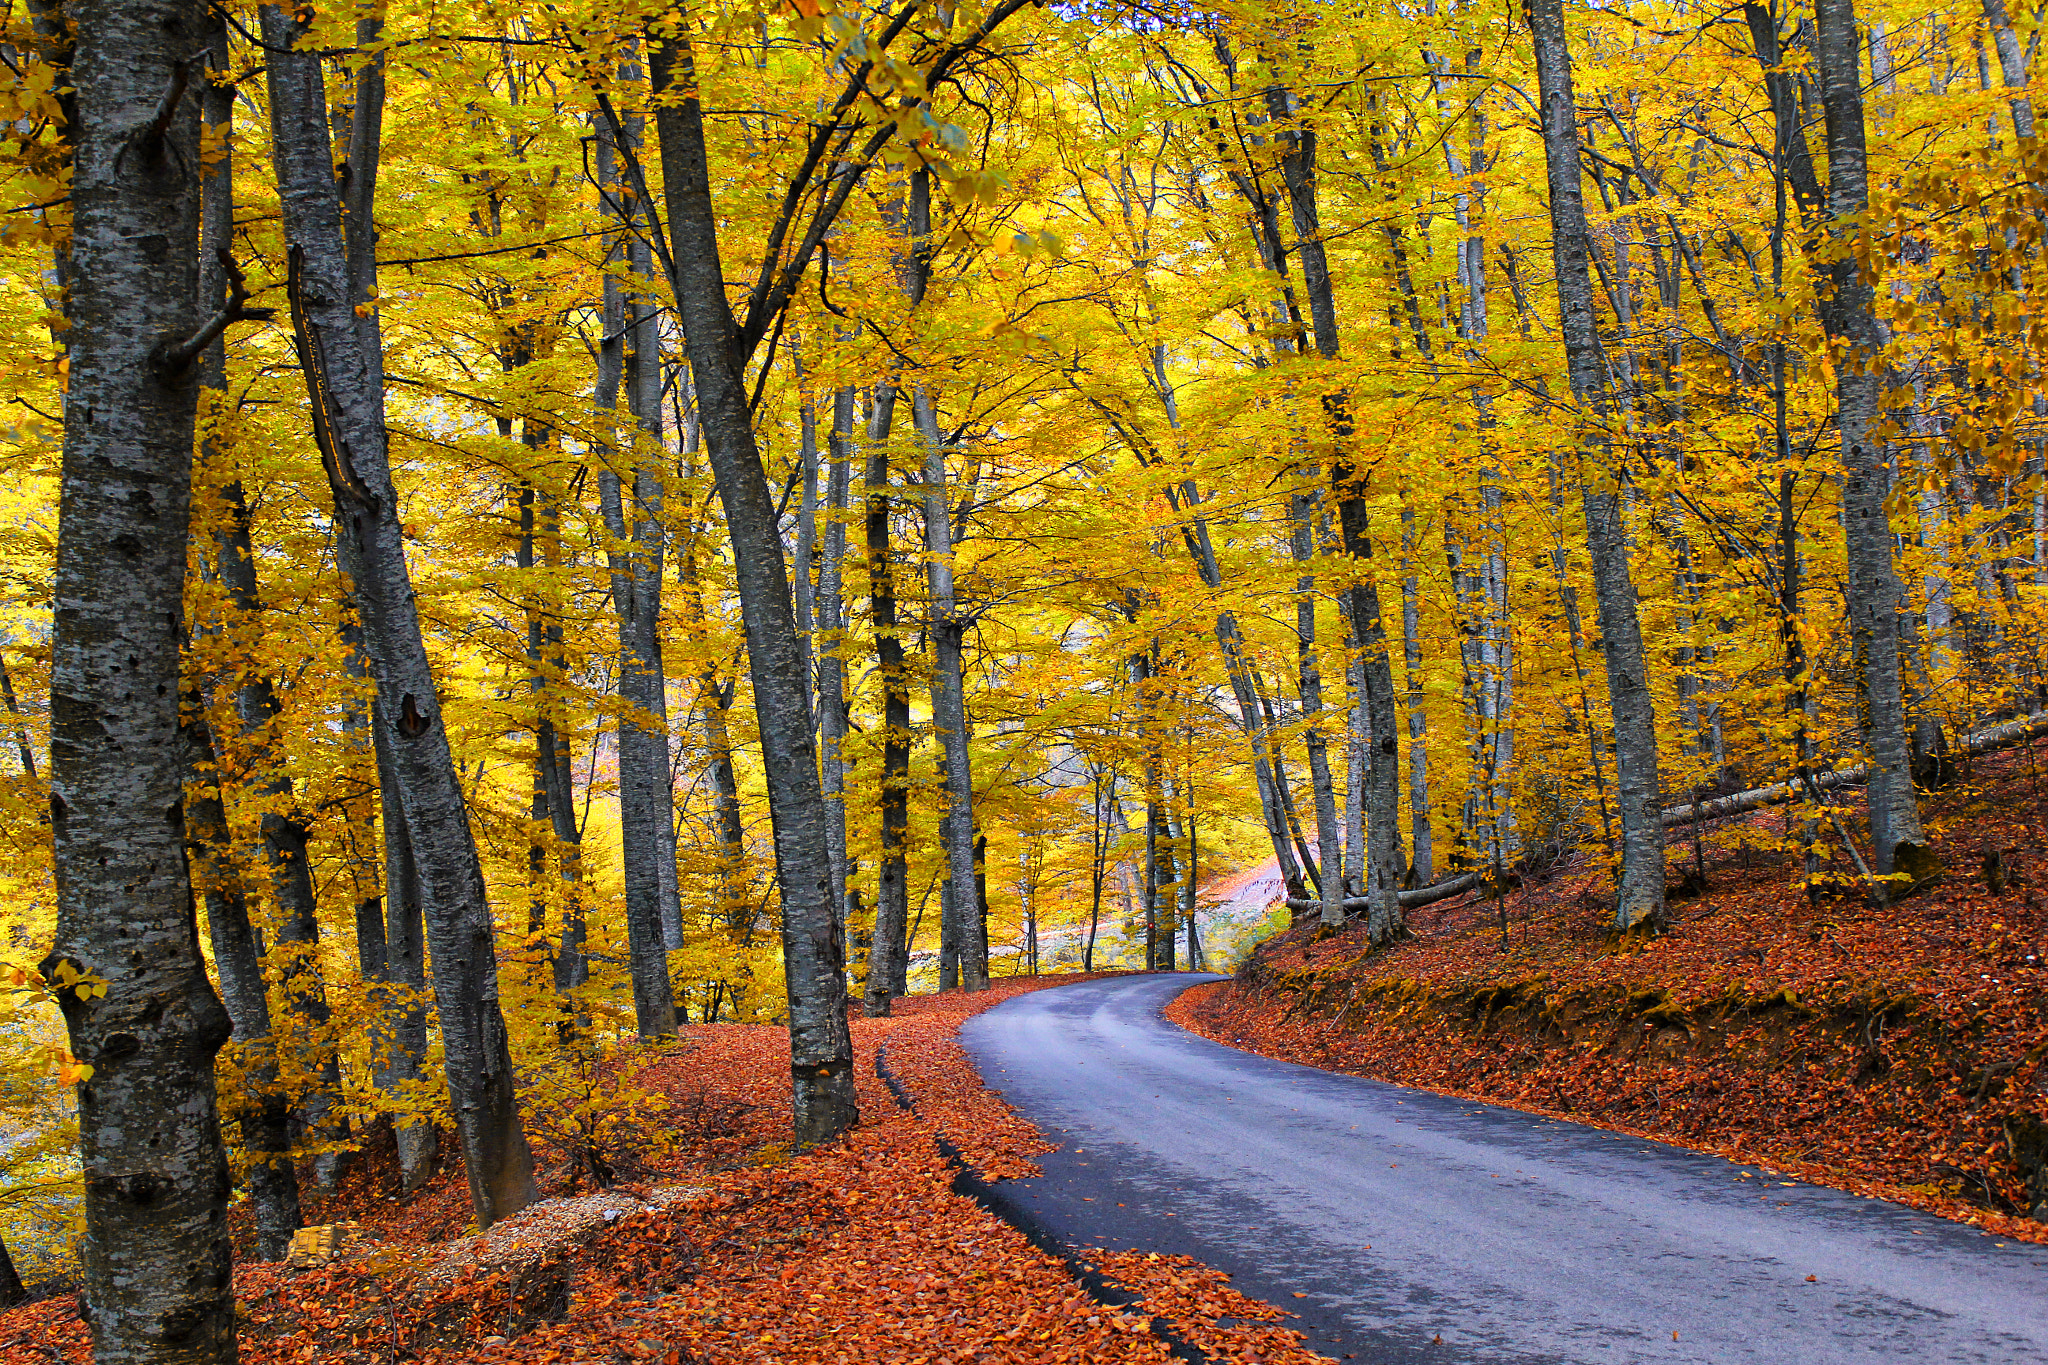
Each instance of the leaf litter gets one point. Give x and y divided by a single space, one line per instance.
741 1252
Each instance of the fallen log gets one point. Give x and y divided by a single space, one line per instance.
1741 803
1721 807
1410 900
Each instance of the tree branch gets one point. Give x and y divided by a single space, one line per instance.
172 362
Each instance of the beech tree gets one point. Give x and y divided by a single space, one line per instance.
348 423
1640 894
720 345
126 965
1861 377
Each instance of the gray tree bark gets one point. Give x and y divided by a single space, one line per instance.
554 790
1847 311
805 584
831 655
886 958
1244 690
1357 757
1329 835
405 966
1421 836
285 855
349 427
1640 901
731 901
821 1048
22 747
266 1121
1496 640
2012 66
1383 858
1190 889
949 688
403 1061
283 833
155 1255
630 356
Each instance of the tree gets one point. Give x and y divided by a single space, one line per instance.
126 963
1639 901
348 421
629 355
1860 382
719 345
821 1051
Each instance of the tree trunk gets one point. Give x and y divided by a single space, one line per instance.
404 934
644 373
1027 908
1640 901
554 799
1496 647
892 890
405 966
1244 684
631 356
283 833
831 605
1860 381
349 428
1357 757
2012 68
805 581
17 715
978 914
155 1255
12 1291
731 902
1098 864
266 1122
949 687
1421 837
1183 868
296 947
1329 834
821 1049
1383 789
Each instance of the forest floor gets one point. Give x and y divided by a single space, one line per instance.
1900 1051
858 1252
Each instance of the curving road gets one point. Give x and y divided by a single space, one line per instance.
1405 1217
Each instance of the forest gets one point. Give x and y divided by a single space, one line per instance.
533 527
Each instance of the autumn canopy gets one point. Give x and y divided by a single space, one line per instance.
551 524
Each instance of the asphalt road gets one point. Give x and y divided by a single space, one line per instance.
1405 1216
